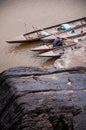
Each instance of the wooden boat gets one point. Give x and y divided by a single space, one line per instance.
67 33
55 53
47 46
36 34
60 50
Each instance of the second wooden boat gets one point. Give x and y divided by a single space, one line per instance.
60 50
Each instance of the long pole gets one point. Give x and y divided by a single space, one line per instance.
25 25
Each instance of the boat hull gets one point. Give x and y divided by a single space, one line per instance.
23 41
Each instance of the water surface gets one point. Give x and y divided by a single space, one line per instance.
14 14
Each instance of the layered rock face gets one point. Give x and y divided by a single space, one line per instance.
43 99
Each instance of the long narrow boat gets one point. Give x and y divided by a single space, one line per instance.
60 50
37 34
72 31
68 35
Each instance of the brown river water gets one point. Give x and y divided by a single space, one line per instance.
14 14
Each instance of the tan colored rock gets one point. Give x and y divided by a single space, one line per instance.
72 58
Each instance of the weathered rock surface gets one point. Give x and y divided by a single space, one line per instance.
37 99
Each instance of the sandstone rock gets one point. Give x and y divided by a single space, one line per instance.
74 57
37 99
